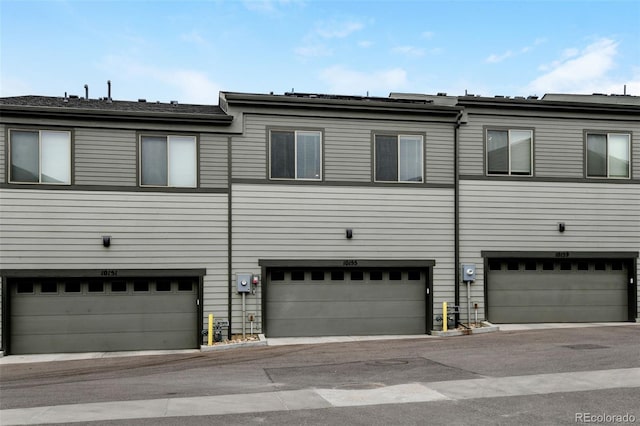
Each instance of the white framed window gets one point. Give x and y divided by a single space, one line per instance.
295 154
398 158
40 156
168 161
509 152
608 155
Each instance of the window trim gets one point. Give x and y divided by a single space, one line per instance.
295 132
607 133
39 131
508 129
398 135
167 136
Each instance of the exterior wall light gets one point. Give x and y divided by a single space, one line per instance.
560 226
106 240
349 233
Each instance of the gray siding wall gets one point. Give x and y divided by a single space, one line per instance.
517 216
558 143
347 146
105 157
309 222
108 157
63 229
213 161
2 154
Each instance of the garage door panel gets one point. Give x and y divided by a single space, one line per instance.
330 292
102 323
103 304
68 315
354 309
532 314
532 291
336 327
508 280
105 342
344 302
562 297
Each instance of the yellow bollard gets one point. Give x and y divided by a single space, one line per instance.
210 331
445 320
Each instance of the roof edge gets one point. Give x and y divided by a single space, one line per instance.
351 103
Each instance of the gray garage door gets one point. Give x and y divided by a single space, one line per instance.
87 315
532 291
345 302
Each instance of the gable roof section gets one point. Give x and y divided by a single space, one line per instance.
111 110
556 103
338 103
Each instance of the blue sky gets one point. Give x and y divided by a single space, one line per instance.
189 50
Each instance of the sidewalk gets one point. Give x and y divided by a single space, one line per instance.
318 398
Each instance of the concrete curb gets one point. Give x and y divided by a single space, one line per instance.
487 327
262 341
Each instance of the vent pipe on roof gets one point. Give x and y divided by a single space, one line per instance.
108 90
86 91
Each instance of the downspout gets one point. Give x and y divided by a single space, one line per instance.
229 238
456 216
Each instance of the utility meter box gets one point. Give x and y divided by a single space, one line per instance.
468 272
244 283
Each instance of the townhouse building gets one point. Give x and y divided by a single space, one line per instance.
114 223
344 207
549 206
125 224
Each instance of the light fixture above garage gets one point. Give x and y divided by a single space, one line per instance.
106 240
560 226
349 233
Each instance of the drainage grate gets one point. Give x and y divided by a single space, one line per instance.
585 346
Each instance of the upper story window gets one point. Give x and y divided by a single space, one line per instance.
398 158
295 154
608 155
168 161
40 156
510 152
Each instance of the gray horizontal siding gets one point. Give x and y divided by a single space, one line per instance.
347 146
148 229
213 161
517 216
3 150
558 143
108 157
283 222
105 157
63 229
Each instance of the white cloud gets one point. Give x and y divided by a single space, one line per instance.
193 37
584 71
195 86
313 51
411 51
10 86
336 29
183 85
365 43
314 43
568 53
266 6
496 58
493 59
346 81
428 35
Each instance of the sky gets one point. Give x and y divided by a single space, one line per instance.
190 50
